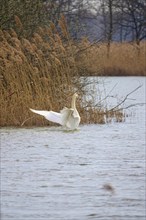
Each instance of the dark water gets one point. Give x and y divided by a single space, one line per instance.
97 172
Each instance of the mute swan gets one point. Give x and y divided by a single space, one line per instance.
68 117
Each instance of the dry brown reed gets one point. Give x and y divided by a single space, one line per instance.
125 59
37 73
43 73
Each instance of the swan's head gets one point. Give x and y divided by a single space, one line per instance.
75 95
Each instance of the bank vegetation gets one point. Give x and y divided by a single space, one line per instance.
42 72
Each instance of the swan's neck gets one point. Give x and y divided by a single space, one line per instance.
73 103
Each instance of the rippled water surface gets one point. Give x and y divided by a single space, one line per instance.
97 172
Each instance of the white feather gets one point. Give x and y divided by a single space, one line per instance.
49 115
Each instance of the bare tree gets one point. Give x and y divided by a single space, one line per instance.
122 19
110 29
133 13
107 13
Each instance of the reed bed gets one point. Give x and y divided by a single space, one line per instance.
36 73
125 59
43 72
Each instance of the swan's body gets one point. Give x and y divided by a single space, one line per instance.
68 117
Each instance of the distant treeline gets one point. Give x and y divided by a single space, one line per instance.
106 20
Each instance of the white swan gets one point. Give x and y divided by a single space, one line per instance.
68 117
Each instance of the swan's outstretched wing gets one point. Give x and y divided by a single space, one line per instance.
49 115
68 117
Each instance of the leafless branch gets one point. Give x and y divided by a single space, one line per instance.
125 98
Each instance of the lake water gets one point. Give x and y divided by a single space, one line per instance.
97 172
